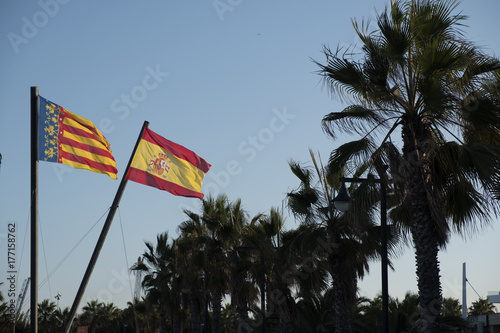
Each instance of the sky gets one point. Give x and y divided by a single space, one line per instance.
232 80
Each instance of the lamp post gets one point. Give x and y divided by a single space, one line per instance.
341 202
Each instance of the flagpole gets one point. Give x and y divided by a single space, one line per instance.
34 210
100 241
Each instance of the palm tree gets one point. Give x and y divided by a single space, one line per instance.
150 313
315 314
61 315
229 319
451 307
404 314
47 317
221 235
191 246
451 315
225 224
159 264
273 262
482 306
134 315
91 315
5 314
243 292
349 240
367 314
111 317
419 82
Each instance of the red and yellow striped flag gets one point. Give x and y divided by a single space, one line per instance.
67 138
163 164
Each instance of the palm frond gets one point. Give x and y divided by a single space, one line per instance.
394 31
351 153
354 119
343 76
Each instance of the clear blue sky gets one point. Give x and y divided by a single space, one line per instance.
232 80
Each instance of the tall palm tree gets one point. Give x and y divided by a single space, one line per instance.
272 262
191 246
348 240
242 290
419 82
223 233
159 264
294 265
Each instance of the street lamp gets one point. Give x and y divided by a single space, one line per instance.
58 297
341 202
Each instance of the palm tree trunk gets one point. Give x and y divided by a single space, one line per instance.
216 313
194 305
423 227
285 305
242 310
176 321
163 318
340 306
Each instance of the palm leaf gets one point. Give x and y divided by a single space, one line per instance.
355 153
465 205
354 119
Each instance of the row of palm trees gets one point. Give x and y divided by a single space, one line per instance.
314 316
97 316
263 270
275 280
278 280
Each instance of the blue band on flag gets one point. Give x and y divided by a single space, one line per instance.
48 129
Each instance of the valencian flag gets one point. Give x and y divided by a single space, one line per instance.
67 138
168 166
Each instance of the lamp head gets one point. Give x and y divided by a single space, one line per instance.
342 200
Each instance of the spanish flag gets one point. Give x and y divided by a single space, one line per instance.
168 166
67 138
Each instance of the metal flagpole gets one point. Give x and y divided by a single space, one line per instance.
34 210
464 293
102 237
